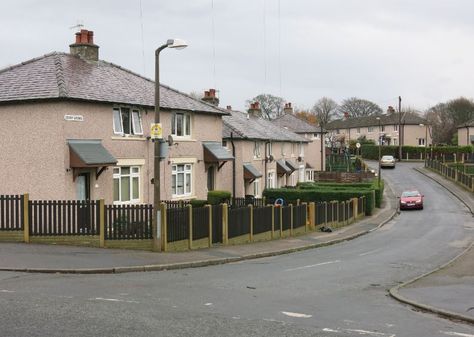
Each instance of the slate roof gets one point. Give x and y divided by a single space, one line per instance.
65 76
245 126
296 124
356 122
467 124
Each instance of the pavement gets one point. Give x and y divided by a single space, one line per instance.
432 292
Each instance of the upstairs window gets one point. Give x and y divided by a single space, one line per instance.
127 121
370 129
181 124
256 149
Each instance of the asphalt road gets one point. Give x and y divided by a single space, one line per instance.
339 290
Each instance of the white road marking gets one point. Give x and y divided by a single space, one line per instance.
313 265
208 304
113 300
371 333
330 330
456 334
296 314
369 252
6 291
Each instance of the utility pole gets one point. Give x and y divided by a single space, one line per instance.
399 128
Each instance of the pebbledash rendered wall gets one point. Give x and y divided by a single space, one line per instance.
34 154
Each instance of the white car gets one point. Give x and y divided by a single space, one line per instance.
387 161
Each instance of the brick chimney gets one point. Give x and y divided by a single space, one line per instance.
84 46
229 107
211 97
288 109
255 110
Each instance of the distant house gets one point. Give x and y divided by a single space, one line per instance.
466 133
76 127
266 155
315 154
410 130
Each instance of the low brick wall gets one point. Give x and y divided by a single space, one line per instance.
87 241
11 236
238 240
267 236
130 244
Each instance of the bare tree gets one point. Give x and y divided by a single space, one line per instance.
357 107
272 106
325 110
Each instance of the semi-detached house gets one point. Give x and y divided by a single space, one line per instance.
266 155
76 127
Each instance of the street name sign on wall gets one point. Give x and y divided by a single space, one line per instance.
74 118
156 131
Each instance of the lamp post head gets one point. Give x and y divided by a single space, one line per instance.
176 43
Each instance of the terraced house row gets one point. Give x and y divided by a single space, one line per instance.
76 127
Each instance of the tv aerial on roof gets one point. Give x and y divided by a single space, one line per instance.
78 26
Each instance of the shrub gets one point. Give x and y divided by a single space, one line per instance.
198 202
218 197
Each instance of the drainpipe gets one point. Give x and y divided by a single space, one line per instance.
233 163
265 163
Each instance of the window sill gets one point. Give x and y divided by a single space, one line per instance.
182 197
129 138
183 139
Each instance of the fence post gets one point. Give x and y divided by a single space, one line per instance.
190 215
225 224
251 222
298 201
281 221
26 217
164 227
101 223
209 208
312 215
355 205
273 221
291 219
325 213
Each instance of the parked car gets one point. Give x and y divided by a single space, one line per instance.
411 200
387 161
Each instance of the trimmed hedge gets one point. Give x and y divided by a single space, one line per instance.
372 151
218 197
322 194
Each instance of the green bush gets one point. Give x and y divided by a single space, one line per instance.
378 192
198 202
372 151
320 195
218 197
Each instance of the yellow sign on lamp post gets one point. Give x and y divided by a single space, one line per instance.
156 131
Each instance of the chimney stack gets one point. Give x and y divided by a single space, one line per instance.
288 108
84 46
211 97
255 110
229 107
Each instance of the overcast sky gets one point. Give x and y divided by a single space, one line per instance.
301 50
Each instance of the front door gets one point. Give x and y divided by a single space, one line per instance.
83 208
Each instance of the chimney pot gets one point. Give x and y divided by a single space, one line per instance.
288 109
210 97
212 92
90 37
229 107
78 37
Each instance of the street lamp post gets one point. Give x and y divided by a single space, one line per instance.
426 140
157 241
380 151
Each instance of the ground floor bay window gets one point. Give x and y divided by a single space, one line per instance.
126 184
181 180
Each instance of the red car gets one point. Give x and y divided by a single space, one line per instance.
411 200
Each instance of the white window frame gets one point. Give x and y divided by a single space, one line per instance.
370 129
395 127
186 127
270 179
256 188
134 117
269 148
421 142
187 173
256 149
119 175
310 175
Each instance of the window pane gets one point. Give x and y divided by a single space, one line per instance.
188 183
135 188
126 120
125 170
125 186
180 184
117 122
179 124
173 184
116 170
135 170
188 167
173 124
116 189
180 168
137 123
188 124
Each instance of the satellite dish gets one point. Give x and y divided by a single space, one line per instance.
357 145
170 140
